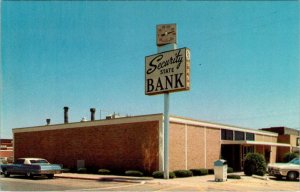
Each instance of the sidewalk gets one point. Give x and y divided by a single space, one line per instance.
116 178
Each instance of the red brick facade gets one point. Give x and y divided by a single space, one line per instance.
6 149
136 143
115 147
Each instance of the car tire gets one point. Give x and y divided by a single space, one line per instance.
6 174
29 175
292 176
50 176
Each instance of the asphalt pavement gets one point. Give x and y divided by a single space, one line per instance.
88 182
202 183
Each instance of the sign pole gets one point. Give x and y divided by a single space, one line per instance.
166 116
166 134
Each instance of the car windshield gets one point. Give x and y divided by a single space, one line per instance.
295 161
38 161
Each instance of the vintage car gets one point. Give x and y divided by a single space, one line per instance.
31 167
289 170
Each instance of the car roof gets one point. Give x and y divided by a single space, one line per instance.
31 158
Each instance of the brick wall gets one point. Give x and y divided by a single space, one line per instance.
289 139
196 147
280 153
177 146
6 153
265 138
284 139
293 140
189 147
213 146
114 147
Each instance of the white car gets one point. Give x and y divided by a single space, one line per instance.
289 170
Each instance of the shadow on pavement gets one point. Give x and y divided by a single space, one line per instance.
124 179
282 179
29 178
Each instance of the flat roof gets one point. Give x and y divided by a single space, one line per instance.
119 120
190 121
141 118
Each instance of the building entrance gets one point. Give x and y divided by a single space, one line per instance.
232 154
235 155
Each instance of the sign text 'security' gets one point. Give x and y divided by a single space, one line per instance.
159 63
167 72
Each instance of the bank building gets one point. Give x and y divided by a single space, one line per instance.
136 143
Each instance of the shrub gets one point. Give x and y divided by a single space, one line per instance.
81 170
134 173
229 170
255 163
199 172
172 175
93 170
289 156
233 177
104 172
66 170
183 173
160 174
211 171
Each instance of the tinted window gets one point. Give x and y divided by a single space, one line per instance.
20 161
38 161
295 161
250 136
226 134
238 135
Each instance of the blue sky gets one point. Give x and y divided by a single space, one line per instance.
83 54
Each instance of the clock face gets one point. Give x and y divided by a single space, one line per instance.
165 34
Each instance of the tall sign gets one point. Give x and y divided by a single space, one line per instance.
167 72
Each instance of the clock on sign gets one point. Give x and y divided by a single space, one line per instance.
166 34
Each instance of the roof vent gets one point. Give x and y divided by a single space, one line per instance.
93 110
66 118
48 121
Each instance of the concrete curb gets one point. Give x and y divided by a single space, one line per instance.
70 177
261 177
129 181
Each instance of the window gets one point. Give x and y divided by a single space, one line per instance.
239 136
250 136
20 161
38 161
226 134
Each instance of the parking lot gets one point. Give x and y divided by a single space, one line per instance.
86 182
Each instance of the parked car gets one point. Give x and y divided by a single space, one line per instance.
31 167
289 170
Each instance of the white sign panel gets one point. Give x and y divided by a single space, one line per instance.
167 72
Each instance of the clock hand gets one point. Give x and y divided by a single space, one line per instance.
167 33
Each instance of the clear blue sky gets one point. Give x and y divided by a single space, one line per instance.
244 60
